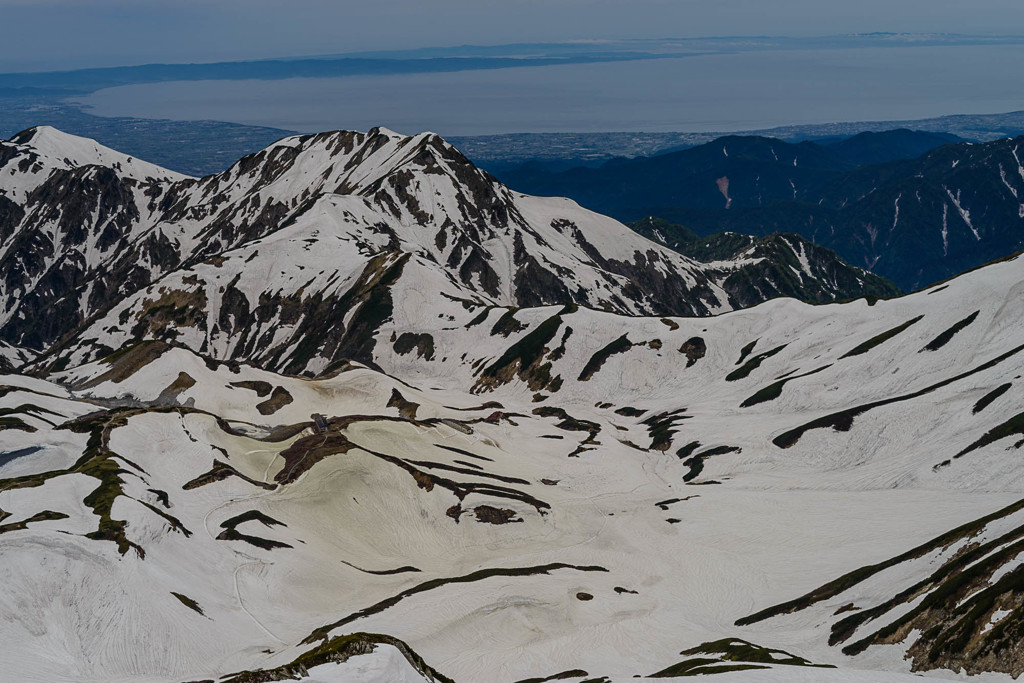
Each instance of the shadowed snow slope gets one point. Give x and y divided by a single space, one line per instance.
328 450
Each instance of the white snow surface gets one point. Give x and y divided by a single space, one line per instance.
14 355
781 522
45 149
204 526
72 150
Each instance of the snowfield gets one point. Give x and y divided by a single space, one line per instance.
358 461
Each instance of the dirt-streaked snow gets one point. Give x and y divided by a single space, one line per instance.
172 513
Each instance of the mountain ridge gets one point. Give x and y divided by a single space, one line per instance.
380 191
366 436
914 221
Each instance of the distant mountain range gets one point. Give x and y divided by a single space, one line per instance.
903 204
780 264
731 171
562 151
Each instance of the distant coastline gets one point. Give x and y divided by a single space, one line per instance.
568 103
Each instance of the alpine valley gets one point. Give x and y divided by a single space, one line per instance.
353 410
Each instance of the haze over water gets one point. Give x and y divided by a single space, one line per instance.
719 92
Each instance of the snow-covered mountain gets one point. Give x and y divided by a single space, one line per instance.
83 233
903 204
786 265
332 448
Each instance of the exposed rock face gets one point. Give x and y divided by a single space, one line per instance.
758 268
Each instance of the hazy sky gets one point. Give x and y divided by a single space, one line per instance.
57 34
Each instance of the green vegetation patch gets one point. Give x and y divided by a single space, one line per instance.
478 575
422 343
986 400
188 602
523 359
880 338
943 339
44 516
774 390
97 461
336 651
842 421
278 399
620 345
101 500
696 462
1012 427
753 364
573 673
731 654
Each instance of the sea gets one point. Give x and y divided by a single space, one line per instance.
711 92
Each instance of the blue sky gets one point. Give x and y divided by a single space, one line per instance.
58 34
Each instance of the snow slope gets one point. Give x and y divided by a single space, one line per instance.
83 232
320 451
32 155
411 477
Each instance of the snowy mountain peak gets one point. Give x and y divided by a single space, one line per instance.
73 151
341 162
